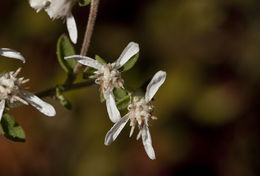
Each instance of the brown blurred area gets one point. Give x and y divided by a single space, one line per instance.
208 108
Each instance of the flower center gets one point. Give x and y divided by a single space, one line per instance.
140 111
108 78
7 85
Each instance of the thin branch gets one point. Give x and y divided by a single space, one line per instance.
89 30
65 87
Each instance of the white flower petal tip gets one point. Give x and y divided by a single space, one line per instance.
38 4
131 49
72 28
112 110
2 107
36 102
147 142
156 82
115 130
7 52
84 60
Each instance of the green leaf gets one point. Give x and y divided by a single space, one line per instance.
130 63
89 72
63 100
11 129
123 103
100 60
102 98
122 97
84 2
65 48
119 93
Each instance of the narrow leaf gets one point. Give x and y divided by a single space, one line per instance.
65 48
130 63
100 60
11 129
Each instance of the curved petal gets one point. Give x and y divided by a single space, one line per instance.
38 4
154 85
7 52
112 110
2 107
115 130
72 28
36 102
147 142
131 49
84 60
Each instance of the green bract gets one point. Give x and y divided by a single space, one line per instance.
11 129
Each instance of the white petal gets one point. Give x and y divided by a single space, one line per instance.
147 142
36 102
72 28
154 85
84 60
11 53
38 4
131 49
2 107
115 130
112 110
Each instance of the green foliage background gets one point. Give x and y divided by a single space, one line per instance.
208 108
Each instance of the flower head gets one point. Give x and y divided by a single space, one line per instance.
140 112
59 9
11 92
108 76
11 54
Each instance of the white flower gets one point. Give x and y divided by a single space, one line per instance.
59 9
11 93
108 76
140 112
11 53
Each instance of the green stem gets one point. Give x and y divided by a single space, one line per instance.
65 87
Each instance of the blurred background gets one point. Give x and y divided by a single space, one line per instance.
208 108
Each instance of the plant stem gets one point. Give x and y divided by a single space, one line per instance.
65 87
89 30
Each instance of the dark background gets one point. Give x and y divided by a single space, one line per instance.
208 108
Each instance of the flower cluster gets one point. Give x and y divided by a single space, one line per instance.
108 76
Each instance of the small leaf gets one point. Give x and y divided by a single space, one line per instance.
89 72
130 63
65 48
119 93
122 97
63 100
100 60
123 103
102 98
11 129
84 2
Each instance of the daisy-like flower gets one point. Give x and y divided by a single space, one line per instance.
108 76
140 112
59 9
11 93
7 52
